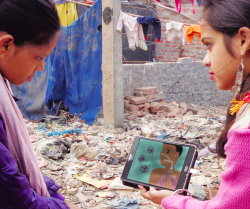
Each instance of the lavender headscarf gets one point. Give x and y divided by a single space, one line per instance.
19 140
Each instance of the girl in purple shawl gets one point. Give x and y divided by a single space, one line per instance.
29 31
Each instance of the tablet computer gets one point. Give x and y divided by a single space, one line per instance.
159 163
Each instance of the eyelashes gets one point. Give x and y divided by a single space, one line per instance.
208 45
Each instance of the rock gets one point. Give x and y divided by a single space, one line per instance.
138 100
197 190
81 197
72 191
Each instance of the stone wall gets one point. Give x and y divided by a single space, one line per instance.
182 81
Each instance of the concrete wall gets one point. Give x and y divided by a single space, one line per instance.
182 81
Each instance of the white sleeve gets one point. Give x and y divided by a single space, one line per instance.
119 24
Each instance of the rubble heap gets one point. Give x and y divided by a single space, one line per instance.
87 161
149 99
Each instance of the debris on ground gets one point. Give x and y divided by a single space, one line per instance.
87 161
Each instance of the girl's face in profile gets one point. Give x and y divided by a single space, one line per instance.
21 63
222 65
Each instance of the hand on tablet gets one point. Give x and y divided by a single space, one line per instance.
154 195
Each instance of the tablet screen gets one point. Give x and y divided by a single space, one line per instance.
159 164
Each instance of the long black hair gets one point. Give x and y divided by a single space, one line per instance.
227 17
33 22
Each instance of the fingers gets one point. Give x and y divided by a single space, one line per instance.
144 192
152 189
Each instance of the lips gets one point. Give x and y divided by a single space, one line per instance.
211 75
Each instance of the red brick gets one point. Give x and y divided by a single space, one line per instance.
138 100
162 113
128 97
126 104
149 97
140 107
146 90
133 108
142 114
156 107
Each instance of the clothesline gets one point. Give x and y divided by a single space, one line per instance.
77 2
134 15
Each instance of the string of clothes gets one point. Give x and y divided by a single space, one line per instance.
136 28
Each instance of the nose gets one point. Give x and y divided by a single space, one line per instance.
206 60
40 66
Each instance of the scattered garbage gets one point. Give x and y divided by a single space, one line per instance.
125 203
118 185
82 150
87 161
95 182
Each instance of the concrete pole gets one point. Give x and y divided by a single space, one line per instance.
113 104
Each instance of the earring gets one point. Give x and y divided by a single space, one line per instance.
239 78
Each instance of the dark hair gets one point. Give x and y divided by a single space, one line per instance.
227 17
179 149
33 22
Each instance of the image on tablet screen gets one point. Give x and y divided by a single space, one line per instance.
158 164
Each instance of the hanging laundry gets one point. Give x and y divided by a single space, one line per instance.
145 21
67 13
178 5
200 3
175 29
191 31
133 30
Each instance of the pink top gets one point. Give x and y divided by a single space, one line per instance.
234 190
162 182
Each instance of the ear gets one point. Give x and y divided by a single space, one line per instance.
6 44
244 36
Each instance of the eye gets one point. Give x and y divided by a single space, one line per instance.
208 45
168 151
39 58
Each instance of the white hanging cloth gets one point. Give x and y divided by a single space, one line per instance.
133 30
174 29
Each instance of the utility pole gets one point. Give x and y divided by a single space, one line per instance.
113 103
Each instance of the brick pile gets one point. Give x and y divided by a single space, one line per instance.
149 100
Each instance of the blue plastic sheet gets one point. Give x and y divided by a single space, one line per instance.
72 72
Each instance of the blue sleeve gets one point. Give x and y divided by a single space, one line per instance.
15 191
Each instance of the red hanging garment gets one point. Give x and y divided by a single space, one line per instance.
178 5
